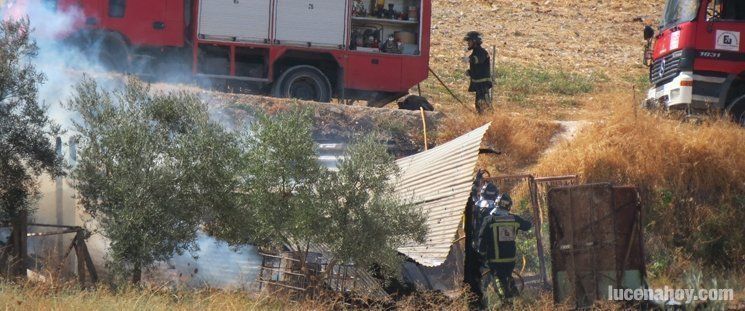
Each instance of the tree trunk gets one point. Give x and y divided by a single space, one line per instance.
136 274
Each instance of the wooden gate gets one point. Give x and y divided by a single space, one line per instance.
596 242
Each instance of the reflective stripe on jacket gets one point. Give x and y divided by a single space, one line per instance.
496 239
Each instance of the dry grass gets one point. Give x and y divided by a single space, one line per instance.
521 140
36 296
31 296
692 177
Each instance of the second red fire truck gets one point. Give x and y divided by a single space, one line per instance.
373 50
698 58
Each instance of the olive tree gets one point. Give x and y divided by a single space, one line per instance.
364 221
26 131
280 174
151 167
289 199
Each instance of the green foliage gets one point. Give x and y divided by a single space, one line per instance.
519 81
366 221
701 230
26 132
290 199
280 174
151 168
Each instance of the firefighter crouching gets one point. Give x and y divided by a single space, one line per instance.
496 243
479 71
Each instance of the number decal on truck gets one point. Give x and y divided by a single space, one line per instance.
310 6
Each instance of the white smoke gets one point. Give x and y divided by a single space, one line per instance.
62 64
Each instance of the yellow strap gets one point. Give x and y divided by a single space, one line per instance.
503 260
481 80
495 234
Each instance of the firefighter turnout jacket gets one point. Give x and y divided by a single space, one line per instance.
496 239
479 69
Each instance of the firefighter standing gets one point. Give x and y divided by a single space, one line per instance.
485 204
479 71
496 243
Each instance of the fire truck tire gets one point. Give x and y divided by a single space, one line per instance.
737 110
114 54
303 82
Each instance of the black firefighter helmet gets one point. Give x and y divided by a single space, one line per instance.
474 36
504 202
489 191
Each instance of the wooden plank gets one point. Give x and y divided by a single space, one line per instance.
282 285
43 234
80 258
54 226
89 263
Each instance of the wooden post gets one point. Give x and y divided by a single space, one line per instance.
17 260
89 263
80 256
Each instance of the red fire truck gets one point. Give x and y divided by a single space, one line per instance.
373 50
698 59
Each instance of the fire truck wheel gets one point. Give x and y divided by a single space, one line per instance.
737 110
303 82
114 54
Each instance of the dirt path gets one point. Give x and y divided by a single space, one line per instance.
569 131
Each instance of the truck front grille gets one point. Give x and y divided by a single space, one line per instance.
665 69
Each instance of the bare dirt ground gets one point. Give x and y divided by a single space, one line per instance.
583 36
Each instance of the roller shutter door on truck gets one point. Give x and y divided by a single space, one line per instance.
244 20
318 22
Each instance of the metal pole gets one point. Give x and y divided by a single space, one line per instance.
424 128
493 73
445 85
58 201
537 231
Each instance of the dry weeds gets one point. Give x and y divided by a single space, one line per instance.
692 177
521 140
36 296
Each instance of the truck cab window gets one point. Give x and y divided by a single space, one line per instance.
733 10
117 8
727 10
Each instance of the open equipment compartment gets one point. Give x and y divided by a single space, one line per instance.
386 26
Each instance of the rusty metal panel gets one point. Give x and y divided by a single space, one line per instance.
596 241
439 182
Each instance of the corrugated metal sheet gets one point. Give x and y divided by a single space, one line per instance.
439 181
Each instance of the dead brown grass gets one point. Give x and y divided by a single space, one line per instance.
692 177
37 296
521 140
